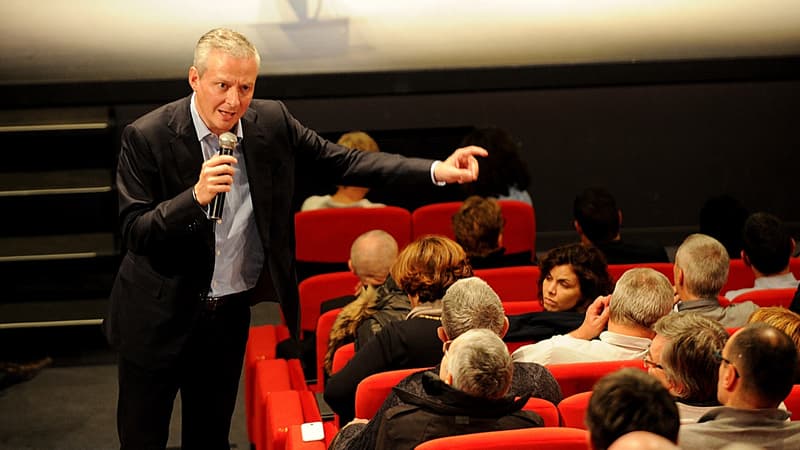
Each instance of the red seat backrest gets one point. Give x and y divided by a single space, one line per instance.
519 232
545 409
324 326
435 218
739 277
513 284
547 438
575 378
342 356
768 297
792 402
325 235
374 389
573 410
317 289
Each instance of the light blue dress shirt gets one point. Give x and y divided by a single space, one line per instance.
238 252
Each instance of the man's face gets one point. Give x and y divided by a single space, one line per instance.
654 357
223 93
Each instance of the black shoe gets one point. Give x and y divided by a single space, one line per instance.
15 372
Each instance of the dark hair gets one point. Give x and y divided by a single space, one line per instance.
502 168
767 243
630 400
722 218
477 225
766 359
589 266
597 214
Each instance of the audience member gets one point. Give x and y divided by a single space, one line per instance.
570 278
468 396
424 270
682 358
701 269
598 220
478 227
468 304
642 440
766 249
630 400
756 373
379 300
504 175
784 320
346 196
722 217
640 298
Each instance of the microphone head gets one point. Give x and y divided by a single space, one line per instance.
228 140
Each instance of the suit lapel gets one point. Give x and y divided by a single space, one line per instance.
185 148
259 173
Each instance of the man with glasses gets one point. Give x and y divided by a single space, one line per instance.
682 358
755 374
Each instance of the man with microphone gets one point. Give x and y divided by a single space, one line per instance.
179 309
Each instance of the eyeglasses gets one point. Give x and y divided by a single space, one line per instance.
721 359
649 363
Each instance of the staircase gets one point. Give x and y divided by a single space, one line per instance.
59 248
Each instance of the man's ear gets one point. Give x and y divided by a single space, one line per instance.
505 327
794 247
745 259
619 217
442 335
194 78
728 379
350 265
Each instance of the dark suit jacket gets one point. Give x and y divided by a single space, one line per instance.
169 242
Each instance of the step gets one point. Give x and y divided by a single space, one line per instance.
53 313
54 247
85 181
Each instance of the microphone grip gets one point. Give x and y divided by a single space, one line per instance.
218 202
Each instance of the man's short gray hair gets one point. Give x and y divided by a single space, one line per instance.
480 364
705 263
471 303
228 41
641 297
691 342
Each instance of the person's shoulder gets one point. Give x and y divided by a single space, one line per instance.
165 115
315 202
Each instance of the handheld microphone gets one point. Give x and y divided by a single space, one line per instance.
227 142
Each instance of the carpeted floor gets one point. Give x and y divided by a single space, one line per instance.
72 404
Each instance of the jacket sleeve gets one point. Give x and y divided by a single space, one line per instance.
148 220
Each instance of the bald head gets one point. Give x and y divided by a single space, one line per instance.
372 255
765 359
642 440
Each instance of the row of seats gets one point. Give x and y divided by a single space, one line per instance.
325 235
516 286
280 401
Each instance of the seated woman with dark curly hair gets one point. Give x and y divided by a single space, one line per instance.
572 277
424 270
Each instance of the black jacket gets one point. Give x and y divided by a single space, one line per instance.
444 411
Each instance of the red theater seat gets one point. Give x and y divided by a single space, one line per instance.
547 438
573 410
575 378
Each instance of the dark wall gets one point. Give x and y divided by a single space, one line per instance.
662 137
661 149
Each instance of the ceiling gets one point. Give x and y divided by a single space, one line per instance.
99 40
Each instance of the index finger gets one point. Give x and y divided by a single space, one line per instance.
472 150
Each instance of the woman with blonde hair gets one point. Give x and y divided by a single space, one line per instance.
424 270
